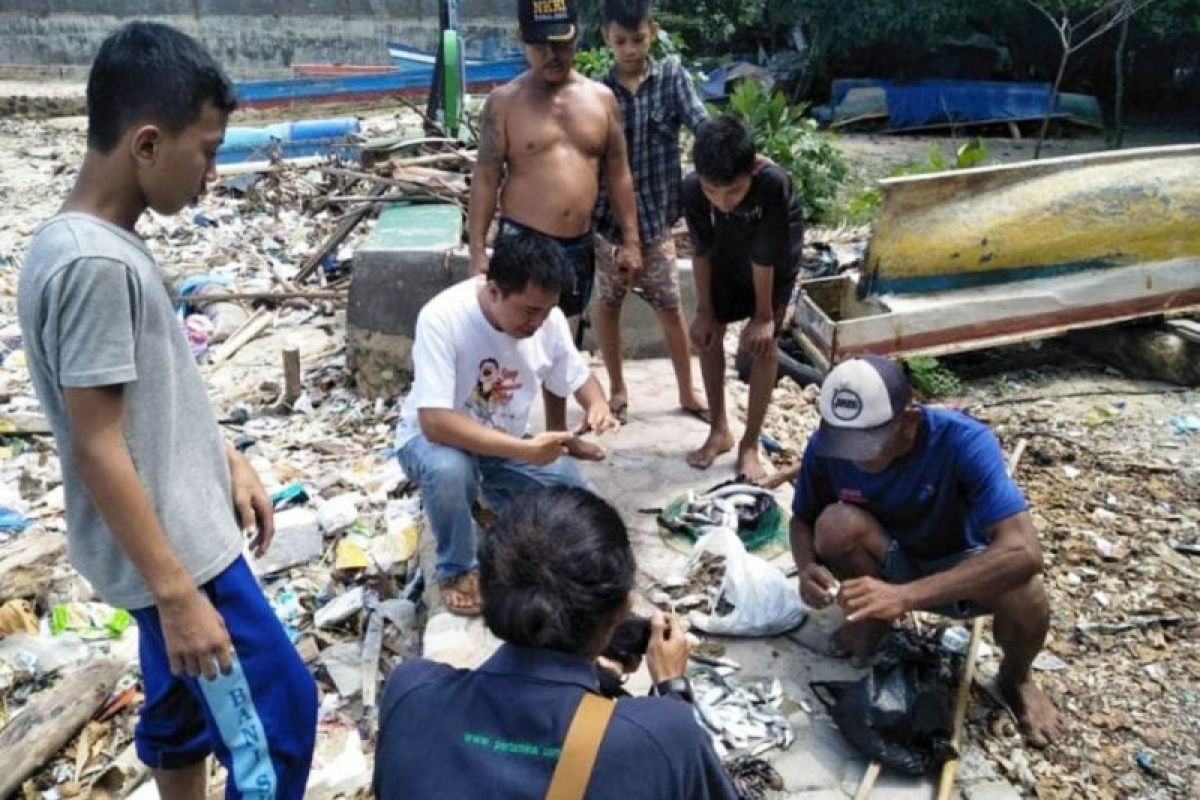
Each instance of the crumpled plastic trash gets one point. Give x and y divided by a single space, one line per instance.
89 620
340 768
17 616
12 521
1186 425
900 713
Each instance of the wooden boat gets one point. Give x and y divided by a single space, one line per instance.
974 258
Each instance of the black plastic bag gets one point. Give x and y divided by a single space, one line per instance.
900 713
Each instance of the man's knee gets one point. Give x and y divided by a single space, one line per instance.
1022 604
449 472
841 529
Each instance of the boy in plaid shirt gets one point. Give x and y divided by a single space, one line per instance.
656 100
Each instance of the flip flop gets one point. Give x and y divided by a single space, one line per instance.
702 414
473 606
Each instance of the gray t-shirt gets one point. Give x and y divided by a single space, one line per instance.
94 312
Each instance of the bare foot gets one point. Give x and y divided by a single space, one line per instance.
858 641
618 403
1039 718
714 445
749 466
584 450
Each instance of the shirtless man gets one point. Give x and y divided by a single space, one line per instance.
543 138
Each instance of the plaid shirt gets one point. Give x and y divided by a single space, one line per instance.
664 102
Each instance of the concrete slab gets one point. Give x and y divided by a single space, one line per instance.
646 468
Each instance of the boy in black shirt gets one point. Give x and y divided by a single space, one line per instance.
747 232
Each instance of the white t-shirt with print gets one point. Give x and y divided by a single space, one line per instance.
462 363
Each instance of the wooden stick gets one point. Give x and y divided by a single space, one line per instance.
867 784
52 718
259 321
295 294
950 768
292 383
336 238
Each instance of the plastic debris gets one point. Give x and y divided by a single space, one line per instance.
89 620
297 541
340 608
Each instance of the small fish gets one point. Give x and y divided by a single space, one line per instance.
715 661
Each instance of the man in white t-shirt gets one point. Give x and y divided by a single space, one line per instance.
484 349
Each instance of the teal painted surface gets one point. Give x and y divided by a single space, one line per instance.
427 226
923 284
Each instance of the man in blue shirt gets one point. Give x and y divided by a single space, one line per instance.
913 509
556 573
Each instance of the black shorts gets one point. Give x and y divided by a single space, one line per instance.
581 253
733 290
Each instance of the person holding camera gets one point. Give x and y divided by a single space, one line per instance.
556 574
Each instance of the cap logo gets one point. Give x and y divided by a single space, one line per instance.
847 406
549 8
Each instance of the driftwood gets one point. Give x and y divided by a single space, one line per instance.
294 294
52 719
259 321
27 564
343 230
293 385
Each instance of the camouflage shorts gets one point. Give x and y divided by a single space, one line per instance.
658 283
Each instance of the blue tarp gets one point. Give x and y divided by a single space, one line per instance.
929 102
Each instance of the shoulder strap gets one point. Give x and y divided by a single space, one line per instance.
580 748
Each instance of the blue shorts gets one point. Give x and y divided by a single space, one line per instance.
260 720
899 567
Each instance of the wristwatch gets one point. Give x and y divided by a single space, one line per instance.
680 687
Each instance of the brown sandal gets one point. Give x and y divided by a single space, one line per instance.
465 587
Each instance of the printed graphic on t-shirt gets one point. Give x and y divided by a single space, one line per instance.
493 392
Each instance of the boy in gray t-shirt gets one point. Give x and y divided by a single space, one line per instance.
156 501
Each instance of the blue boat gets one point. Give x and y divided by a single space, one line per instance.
414 78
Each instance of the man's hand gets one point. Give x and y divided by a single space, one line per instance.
759 337
667 653
816 586
195 635
704 331
545 448
251 503
598 418
871 598
479 263
629 259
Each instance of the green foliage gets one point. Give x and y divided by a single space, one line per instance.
594 62
783 134
710 22
863 206
931 378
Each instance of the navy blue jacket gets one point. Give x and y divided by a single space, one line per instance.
497 731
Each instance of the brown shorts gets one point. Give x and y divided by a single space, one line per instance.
658 283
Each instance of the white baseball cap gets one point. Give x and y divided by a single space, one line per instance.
861 402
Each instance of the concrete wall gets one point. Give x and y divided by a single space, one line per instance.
250 37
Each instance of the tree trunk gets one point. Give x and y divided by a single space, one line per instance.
52 718
28 564
1119 99
1051 101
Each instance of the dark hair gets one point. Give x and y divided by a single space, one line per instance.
627 13
525 256
555 569
724 150
148 71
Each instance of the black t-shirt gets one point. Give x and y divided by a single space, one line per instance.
766 228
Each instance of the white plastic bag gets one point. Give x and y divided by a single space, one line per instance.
765 602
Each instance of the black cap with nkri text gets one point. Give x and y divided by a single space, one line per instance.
547 21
